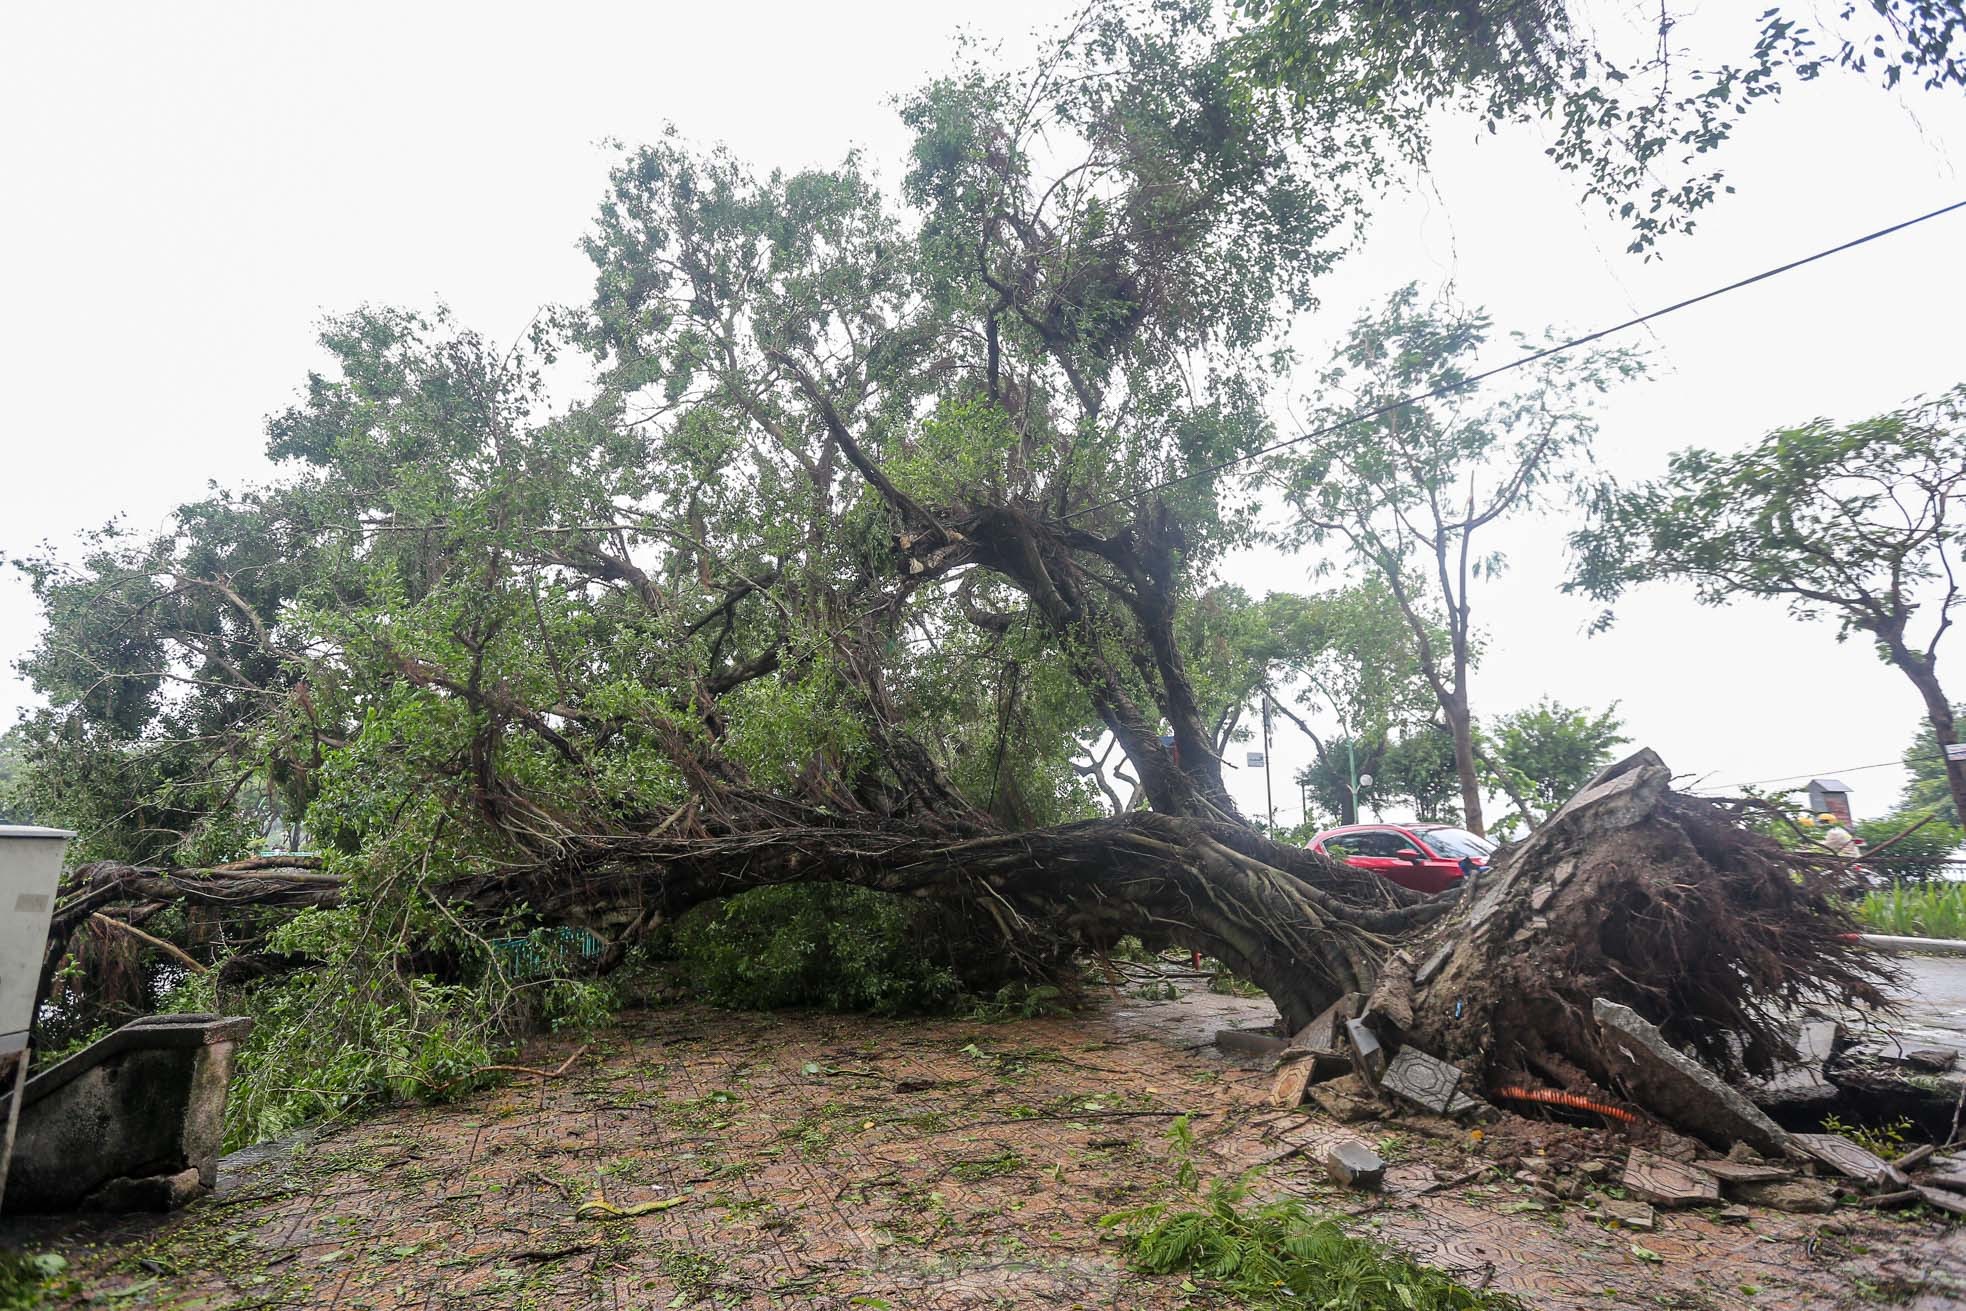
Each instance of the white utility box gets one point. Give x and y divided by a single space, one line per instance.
30 867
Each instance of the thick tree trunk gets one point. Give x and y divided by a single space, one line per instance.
1938 712
1460 723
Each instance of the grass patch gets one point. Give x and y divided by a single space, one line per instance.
1915 910
1276 1254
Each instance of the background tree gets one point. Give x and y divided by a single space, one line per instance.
1857 523
1539 756
1405 493
1929 789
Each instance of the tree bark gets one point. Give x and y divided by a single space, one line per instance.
1920 670
1460 724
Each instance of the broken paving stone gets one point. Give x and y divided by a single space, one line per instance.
1744 1172
1463 1107
1801 1080
1955 1179
1668 1183
1632 1215
1940 1198
1850 1160
1936 1059
1422 1079
1321 1034
1368 1056
1345 1100
1293 1077
1674 1085
1803 1196
1593 1168
1733 1215
1248 1042
1354 1165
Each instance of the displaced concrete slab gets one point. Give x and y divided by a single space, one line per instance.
1354 1165
1368 1056
1677 1087
1293 1077
1941 1198
1801 1196
1801 1081
1936 1059
1422 1079
1850 1160
1346 1100
1632 1215
1321 1034
1744 1172
1668 1183
1431 966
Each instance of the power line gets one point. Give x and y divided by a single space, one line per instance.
1821 773
1448 388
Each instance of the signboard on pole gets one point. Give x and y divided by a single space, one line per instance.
1254 759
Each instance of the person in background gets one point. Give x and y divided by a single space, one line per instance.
1841 841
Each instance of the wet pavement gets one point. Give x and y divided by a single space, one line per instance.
816 1161
1933 998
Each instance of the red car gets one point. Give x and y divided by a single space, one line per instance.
1424 857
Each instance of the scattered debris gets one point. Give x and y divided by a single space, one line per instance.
1294 1070
600 1208
1744 1172
1248 1042
1680 1088
1368 1057
1802 1081
1345 1100
1804 1196
1668 1183
1321 1034
1850 1160
1941 1198
1354 1165
1632 1215
1422 1079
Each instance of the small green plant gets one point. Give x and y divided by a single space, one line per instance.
1278 1254
29 1281
987 1167
1885 1140
1018 1000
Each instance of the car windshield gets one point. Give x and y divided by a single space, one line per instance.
1458 842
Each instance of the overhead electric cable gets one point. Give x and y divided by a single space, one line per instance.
1543 354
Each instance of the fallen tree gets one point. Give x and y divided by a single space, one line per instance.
886 522
1631 893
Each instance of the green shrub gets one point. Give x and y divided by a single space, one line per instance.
1923 910
829 946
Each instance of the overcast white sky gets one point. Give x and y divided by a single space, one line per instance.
191 187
